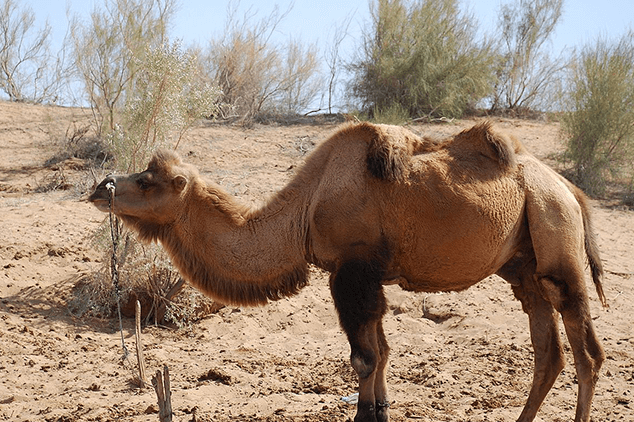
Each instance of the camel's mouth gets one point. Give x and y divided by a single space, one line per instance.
101 204
100 198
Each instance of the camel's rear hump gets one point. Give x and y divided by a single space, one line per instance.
497 146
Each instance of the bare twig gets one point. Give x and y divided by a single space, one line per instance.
139 346
162 388
176 288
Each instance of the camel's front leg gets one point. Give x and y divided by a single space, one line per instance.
360 302
380 381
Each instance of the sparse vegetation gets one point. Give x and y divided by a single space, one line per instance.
526 71
166 97
28 70
107 52
599 119
258 77
145 275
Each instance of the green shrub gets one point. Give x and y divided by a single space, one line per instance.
599 119
423 56
395 114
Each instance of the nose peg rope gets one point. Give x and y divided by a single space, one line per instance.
114 234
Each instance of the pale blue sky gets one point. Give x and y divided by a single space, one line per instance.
315 21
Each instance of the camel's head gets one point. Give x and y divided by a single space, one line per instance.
154 196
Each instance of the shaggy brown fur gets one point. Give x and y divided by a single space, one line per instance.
378 205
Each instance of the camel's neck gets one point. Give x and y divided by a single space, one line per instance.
236 255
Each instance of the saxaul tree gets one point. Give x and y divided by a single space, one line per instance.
598 122
28 70
107 49
526 70
422 56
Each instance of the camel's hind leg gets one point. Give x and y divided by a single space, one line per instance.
571 300
557 223
543 321
360 301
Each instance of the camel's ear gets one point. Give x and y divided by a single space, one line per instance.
179 183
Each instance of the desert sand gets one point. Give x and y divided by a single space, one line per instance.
455 356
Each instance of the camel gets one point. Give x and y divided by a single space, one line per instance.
377 205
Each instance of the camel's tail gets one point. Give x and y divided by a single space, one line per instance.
592 249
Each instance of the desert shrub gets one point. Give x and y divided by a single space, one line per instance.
106 50
599 119
258 77
79 141
424 56
299 81
166 97
526 73
394 114
146 275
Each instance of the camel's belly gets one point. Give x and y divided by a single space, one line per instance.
456 244
458 269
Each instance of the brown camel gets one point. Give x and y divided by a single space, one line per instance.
377 205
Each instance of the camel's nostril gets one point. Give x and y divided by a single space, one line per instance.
108 184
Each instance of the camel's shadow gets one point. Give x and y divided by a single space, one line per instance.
39 306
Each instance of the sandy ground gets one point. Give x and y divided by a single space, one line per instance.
455 357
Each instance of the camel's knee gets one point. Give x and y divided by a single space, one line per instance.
369 353
364 364
597 357
550 357
548 370
554 291
384 347
588 371
558 362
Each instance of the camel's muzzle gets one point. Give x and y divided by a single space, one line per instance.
101 196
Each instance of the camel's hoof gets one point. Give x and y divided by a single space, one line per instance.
366 412
382 412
